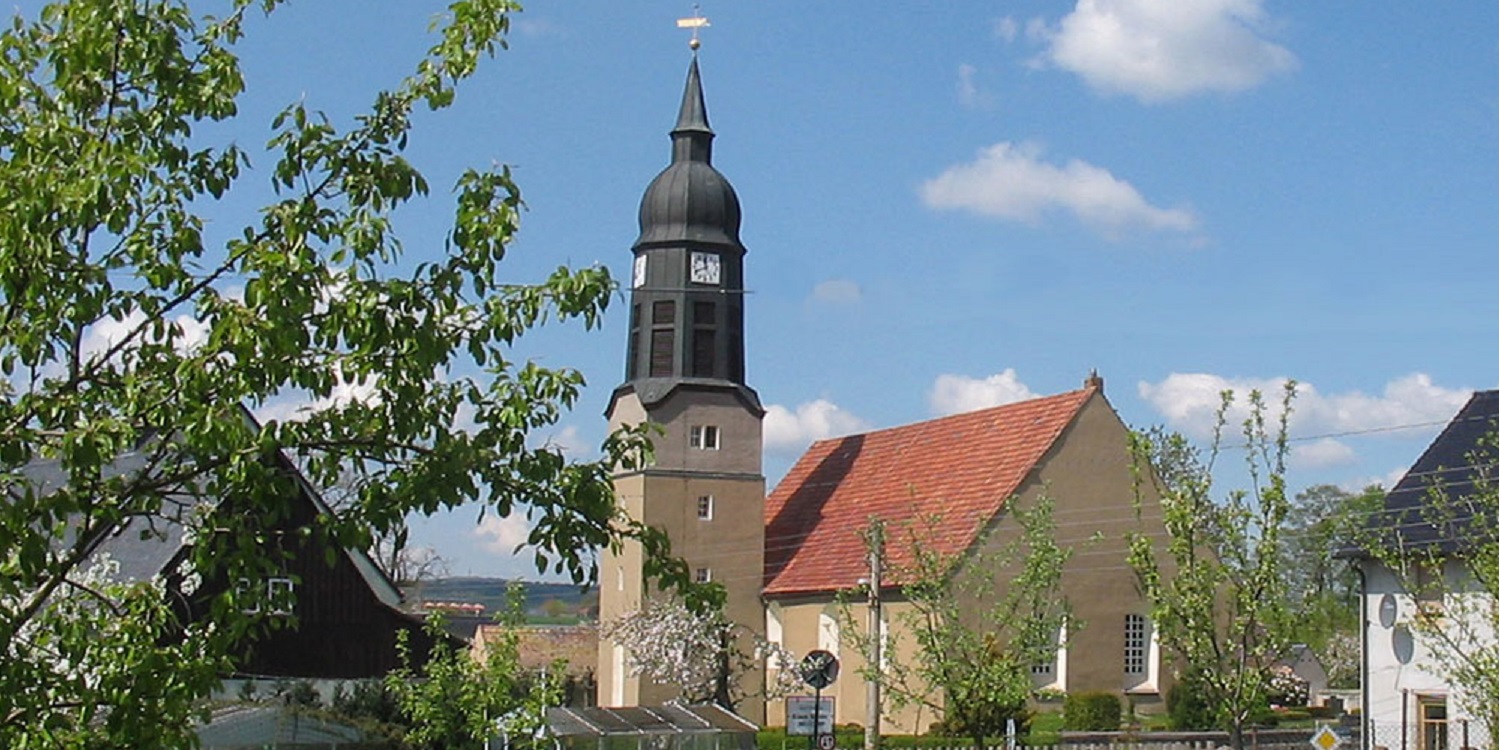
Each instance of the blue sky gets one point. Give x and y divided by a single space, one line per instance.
955 205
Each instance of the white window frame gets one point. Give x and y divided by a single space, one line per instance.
1146 678
705 507
703 437
703 575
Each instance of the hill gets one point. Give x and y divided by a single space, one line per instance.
551 601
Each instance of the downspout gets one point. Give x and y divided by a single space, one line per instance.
1364 660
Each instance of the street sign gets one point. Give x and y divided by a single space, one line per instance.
820 669
800 710
826 741
1325 739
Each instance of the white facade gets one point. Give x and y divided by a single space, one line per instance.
1409 703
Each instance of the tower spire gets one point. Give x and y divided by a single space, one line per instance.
692 138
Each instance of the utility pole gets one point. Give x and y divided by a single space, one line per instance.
872 687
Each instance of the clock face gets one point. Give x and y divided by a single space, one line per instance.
640 272
703 268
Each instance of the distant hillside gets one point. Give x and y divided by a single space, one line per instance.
550 600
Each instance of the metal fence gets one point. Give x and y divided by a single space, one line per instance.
1459 734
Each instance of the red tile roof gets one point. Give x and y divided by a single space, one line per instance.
960 468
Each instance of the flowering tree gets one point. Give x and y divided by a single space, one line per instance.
671 642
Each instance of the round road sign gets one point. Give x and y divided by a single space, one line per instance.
825 742
820 669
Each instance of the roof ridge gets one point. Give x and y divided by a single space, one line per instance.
959 415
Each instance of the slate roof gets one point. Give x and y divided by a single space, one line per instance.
960 468
1447 464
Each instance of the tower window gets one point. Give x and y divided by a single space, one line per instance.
661 353
703 575
706 508
703 437
703 352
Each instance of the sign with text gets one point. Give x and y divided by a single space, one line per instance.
799 715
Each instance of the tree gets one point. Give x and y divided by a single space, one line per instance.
973 638
1455 582
1221 603
457 701
133 343
691 644
1324 592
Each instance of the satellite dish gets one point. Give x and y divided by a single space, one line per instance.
1387 611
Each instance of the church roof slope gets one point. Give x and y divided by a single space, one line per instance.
959 469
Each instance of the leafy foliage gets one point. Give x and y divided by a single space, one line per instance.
132 344
1220 601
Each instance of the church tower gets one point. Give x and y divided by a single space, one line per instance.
685 372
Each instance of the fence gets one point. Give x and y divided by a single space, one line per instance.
1458 734
1255 739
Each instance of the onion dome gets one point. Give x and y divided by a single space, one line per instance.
690 202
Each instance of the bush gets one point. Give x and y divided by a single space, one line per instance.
1187 707
1091 712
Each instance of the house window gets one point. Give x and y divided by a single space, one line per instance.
1135 645
706 508
1052 674
703 437
703 575
1433 713
274 596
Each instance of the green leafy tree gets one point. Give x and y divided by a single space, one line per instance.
977 622
1324 592
1220 603
132 344
455 701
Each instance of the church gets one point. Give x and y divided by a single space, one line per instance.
785 559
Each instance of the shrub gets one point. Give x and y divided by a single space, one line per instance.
1091 712
1187 707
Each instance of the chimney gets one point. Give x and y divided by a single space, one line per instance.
1094 381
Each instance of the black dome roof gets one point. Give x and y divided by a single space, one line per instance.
690 201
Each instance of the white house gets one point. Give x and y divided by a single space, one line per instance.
1425 617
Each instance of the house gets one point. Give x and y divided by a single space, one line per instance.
966 471
338 616
1424 616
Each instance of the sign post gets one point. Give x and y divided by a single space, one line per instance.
820 669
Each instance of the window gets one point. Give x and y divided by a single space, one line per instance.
706 508
703 575
1433 713
703 437
1135 645
274 596
1052 674
663 338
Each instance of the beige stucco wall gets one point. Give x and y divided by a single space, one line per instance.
1087 475
730 544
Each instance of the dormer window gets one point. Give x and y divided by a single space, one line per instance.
703 437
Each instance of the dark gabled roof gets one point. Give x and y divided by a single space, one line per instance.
1462 453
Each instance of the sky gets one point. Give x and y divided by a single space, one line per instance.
957 205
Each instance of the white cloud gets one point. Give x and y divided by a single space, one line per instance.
502 536
189 332
1012 182
567 439
837 292
1156 50
954 394
1005 29
292 408
787 431
1321 454
969 93
1189 401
